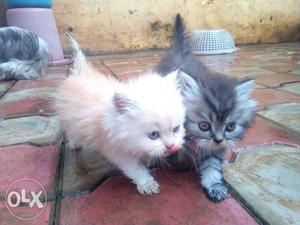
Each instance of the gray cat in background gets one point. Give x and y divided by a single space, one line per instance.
219 110
23 55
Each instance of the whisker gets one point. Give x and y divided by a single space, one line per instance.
192 155
163 161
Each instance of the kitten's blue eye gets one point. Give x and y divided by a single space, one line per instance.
204 126
176 129
154 135
230 127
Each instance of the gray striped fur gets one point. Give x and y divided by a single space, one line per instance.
23 55
214 99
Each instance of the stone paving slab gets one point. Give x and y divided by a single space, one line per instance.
27 161
26 212
36 130
84 170
296 72
181 201
286 115
267 179
293 88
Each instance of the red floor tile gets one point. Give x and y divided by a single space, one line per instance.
26 104
275 79
263 132
55 76
27 107
129 69
132 74
122 64
29 84
282 68
267 97
148 61
26 161
181 201
118 60
26 212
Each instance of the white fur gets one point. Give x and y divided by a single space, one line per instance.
93 119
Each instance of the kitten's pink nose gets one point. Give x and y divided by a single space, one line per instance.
172 148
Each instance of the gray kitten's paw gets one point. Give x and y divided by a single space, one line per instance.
217 192
149 187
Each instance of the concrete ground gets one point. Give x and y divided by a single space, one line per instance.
83 188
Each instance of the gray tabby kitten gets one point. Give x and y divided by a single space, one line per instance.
219 110
23 55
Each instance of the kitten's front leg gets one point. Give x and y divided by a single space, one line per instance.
212 176
134 169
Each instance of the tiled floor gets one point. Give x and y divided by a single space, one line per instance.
77 184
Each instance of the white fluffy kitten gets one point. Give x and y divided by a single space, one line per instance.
126 121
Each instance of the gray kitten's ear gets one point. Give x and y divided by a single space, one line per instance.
187 84
123 104
244 89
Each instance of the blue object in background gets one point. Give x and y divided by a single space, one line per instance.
28 3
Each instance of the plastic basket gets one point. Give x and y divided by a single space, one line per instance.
208 42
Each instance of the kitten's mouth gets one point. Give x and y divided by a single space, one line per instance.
218 146
208 145
172 150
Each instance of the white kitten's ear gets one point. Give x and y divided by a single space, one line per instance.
187 84
123 104
172 77
244 89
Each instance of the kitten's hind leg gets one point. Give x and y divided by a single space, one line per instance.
212 177
139 174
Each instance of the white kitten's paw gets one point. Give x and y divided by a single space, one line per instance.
72 145
149 187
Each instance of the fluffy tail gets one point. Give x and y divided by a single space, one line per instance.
181 43
80 62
